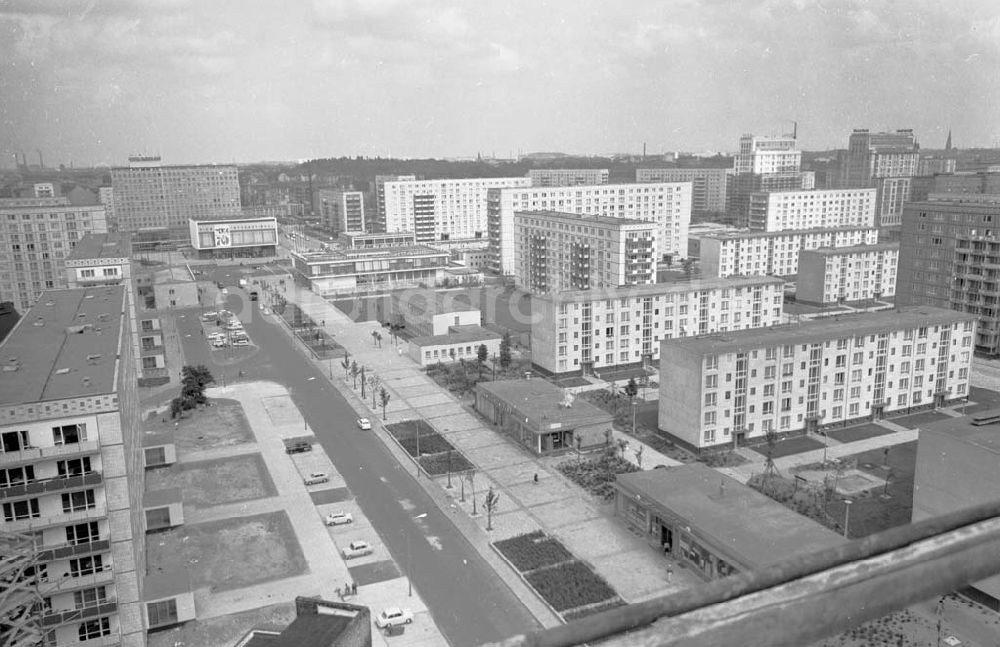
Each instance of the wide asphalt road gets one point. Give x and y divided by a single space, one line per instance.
469 603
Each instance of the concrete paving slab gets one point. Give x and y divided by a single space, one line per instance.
509 524
499 456
634 574
281 410
523 472
449 423
333 495
474 438
444 410
565 511
416 390
402 378
531 494
429 400
579 538
373 573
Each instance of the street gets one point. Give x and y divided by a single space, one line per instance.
469 604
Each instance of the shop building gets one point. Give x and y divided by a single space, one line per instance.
214 238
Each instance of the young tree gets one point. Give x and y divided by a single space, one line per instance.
631 389
385 397
622 446
347 365
177 408
472 484
490 503
374 381
374 338
355 369
363 383
482 354
505 350
638 456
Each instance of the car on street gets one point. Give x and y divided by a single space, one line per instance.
392 616
339 518
316 478
241 342
225 291
298 447
365 424
358 549
265 311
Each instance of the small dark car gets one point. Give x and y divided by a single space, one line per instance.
298 447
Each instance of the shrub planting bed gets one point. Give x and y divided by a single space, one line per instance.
430 444
437 464
569 616
533 550
409 429
597 475
570 585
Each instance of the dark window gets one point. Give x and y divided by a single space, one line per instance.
73 501
162 613
82 533
21 510
74 467
86 565
94 629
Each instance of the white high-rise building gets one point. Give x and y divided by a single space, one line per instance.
667 204
784 210
830 275
568 176
762 154
748 252
442 209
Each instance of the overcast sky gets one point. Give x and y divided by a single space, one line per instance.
247 80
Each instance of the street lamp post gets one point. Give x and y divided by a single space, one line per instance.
409 579
633 416
847 515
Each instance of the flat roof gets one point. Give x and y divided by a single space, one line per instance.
463 336
228 218
601 220
99 246
655 289
756 233
157 586
172 274
540 402
157 498
336 254
751 526
820 329
65 346
985 437
319 629
434 302
853 249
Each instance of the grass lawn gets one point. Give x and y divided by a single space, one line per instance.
858 432
229 553
916 420
220 425
790 446
215 482
871 513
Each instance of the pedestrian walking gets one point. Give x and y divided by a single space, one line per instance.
536 478
354 588
670 573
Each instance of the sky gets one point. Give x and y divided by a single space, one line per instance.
199 81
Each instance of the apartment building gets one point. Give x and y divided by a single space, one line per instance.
106 196
151 196
667 204
378 224
783 210
728 389
933 165
949 253
708 185
831 275
767 154
748 252
976 182
565 251
568 176
885 161
71 464
582 332
347 272
341 210
763 164
36 235
442 209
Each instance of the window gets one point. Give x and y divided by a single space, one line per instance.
94 629
17 476
770 372
709 436
901 400
711 399
82 533
74 501
709 418
712 362
89 597
855 391
21 510
86 565
74 467
768 390
69 434
786 404
711 381
787 368
856 375
162 613
854 408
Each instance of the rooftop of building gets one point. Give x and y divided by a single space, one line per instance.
756 233
100 246
172 274
852 249
657 289
587 218
819 330
746 523
231 218
457 335
986 436
811 192
337 254
159 498
987 200
429 301
165 584
541 403
65 346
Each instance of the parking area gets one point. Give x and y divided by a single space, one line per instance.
223 330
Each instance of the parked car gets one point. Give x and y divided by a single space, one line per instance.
254 296
364 423
316 478
358 549
393 616
241 342
265 311
298 447
339 518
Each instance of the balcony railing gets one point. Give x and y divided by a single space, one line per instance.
53 618
46 486
68 550
70 583
57 519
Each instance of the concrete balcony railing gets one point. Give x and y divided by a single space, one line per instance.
69 550
58 519
48 486
70 583
54 618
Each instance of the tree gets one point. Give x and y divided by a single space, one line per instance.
347 365
374 338
770 469
490 503
622 446
482 354
199 375
355 369
472 484
638 456
505 350
374 381
607 437
177 408
385 397
378 339
362 383
631 389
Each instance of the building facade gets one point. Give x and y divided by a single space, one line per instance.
981 182
948 253
763 164
666 204
564 251
885 161
934 165
568 176
341 210
708 185
350 272
442 209
37 234
764 154
72 464
366 240
234 237
585 331
721 390
149 195
748 253
783 210
458 343
832 275
378 224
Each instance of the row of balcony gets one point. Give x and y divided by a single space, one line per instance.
54 618
60 519
46 486
30 453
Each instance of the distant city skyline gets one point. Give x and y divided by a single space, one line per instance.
89 82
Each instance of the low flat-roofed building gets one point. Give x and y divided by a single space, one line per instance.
318 623
957 461
99 259
463 340
234 237
831 275
426 312
168 599
346 272
72 462
374 240
712 523
170 287
542 417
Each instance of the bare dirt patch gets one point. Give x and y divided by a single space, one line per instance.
215 482
229 553
222 424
